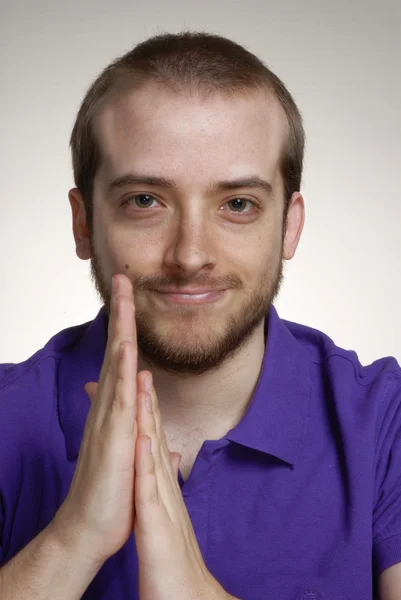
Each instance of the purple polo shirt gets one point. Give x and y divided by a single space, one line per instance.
300 501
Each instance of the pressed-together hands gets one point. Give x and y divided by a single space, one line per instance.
119 486
170 562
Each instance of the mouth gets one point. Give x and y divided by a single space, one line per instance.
206 297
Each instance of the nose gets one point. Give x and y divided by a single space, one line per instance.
190 246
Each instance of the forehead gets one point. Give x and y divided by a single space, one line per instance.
187 135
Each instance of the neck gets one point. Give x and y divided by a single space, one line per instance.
215 401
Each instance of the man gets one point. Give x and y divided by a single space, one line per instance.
274 462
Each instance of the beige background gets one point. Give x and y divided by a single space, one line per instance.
341 61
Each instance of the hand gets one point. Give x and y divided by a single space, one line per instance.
96 518
171 565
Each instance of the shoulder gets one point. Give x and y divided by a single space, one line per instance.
26 390
23 384
360 395
344 363
28 401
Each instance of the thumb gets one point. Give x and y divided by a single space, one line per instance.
90 388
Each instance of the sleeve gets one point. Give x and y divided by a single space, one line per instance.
386 522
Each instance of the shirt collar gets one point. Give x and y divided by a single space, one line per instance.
277 416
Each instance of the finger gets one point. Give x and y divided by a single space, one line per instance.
121 330
162 455
147 499
111 329
121 325
147 427
122 413
146 383
166 477
175 462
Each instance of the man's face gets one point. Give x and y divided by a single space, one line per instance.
191 229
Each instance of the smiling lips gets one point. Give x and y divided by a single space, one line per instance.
191 295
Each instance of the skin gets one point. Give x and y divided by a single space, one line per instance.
205 359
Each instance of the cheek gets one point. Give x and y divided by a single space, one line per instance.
134 250
122 247
265 255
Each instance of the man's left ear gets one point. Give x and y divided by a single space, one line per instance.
295 225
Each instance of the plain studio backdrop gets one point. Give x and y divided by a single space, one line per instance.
342 63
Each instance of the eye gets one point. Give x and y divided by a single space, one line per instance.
143 202
140 200
236 203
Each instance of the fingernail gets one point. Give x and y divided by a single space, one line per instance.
148 383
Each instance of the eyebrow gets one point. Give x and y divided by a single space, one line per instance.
229 184
248 182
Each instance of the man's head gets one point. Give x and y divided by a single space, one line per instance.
187 156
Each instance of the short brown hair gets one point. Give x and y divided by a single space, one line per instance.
188 59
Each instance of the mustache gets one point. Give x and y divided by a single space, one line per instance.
156 282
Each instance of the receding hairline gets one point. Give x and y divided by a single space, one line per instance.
127 81
128 85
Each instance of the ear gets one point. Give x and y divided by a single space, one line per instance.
295 225
79 226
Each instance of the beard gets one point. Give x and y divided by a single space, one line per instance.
189 347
